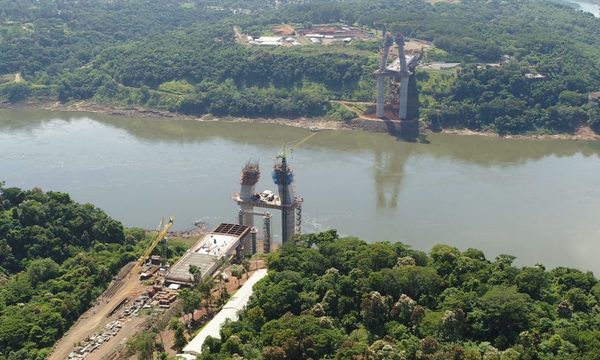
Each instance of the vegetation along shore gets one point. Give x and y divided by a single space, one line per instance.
532 69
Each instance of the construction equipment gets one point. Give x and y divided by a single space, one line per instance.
160 236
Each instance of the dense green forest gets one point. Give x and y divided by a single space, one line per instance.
182 56
342 298
56 258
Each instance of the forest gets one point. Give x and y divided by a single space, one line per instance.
182 56
328 297
56 258
325 296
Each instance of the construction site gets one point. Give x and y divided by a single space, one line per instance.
398 107
144 294
288 35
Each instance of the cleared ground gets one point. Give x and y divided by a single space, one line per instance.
126 286
284 30
240 38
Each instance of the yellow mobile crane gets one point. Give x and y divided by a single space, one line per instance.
160 236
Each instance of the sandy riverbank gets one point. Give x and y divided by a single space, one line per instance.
86 106
582 134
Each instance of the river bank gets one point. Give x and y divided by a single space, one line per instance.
92 107
584 133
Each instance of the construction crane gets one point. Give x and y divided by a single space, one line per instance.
160 236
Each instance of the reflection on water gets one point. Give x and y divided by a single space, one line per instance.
388 173
538 200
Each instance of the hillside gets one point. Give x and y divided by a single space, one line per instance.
527 66
331 297
56 257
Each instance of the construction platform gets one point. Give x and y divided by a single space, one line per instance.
266 200
208 253
411 61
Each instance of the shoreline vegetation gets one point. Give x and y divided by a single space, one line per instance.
520 67
583 133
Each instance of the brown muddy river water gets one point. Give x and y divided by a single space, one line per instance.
537 200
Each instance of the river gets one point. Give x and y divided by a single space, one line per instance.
537 200
588 7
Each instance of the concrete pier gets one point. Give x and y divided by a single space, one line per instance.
248 180
380 96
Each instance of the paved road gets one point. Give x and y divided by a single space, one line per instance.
229 311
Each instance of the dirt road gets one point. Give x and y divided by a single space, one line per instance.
114 347
239 37
97 317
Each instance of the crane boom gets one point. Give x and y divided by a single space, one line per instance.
161 235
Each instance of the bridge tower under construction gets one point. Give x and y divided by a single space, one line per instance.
401 71
283 177
248 180
285 200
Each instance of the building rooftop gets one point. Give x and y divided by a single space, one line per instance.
207 253
230 229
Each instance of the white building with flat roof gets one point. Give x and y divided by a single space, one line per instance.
208 253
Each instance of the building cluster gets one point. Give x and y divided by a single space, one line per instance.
315 35
339 33
273 41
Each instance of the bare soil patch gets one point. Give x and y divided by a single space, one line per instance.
128 287
284 30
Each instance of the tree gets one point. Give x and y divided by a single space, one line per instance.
504 312
444 258
238 272
273 353
374 311
52 268
142 345
190 301
196 274
17 92
594 118
246 265
179 330
533 281
42 270
572 98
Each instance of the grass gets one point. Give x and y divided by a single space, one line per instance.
7 78
179 87
186 242
434 81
